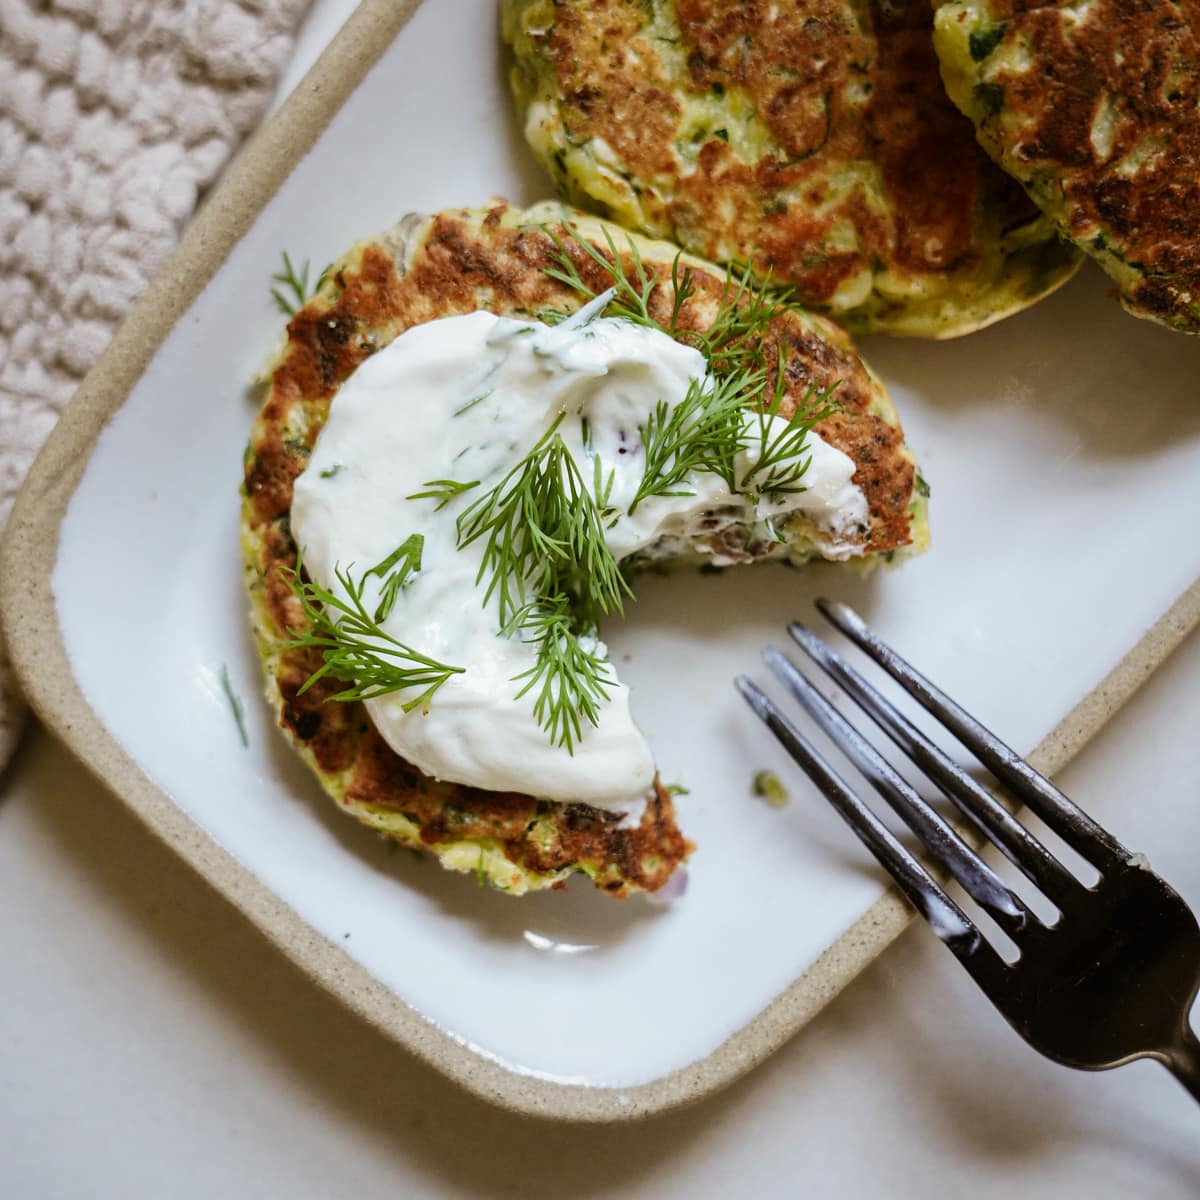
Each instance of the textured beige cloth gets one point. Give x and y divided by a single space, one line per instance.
115 115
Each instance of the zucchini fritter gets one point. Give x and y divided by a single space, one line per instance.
1095 108
457 262
809 138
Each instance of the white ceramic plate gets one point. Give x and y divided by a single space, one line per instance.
1063 450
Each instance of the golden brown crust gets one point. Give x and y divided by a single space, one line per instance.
1098 111
541 837
927 156
464 264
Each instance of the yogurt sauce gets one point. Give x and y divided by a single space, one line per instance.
466 398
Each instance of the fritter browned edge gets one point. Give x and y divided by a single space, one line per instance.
796 62
460 267
1144 56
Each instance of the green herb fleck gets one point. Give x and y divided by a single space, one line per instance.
480 874
989 97
235 705
470 404
920 486
767 785
677 789
983 42
330 472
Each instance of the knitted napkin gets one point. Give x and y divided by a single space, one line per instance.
115 116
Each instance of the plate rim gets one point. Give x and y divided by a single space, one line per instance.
29 619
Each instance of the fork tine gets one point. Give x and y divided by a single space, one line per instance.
974 801
1035 791
926 895
982 884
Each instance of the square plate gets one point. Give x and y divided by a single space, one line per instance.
1063 449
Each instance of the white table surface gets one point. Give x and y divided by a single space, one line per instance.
154 1045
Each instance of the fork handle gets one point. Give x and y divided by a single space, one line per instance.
1183 1061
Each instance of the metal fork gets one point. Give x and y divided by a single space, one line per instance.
1111 979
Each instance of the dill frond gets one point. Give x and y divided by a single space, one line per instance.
735 339
396 572
707 430
629 301
546 561
739 334
443 491
544 535
355 649
570 679
704 432
292 293
779 467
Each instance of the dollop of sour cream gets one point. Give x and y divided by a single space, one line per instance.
466 398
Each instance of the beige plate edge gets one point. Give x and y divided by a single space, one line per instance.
29 618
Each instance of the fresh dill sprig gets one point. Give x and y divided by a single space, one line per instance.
544 531
442 490
235 704
778 467
570 679
546 560
683 288
704 432
708 429
629 301
292 293
735 338
355 649
396 572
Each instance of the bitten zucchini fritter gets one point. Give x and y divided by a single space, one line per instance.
457 262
